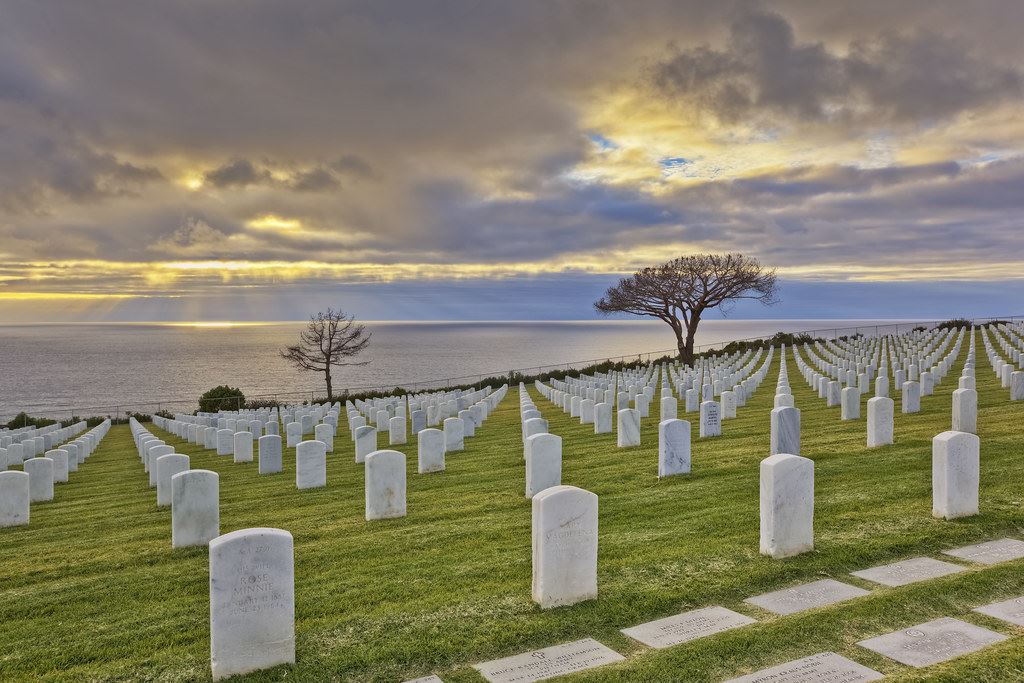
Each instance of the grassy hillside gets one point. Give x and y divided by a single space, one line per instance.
92 589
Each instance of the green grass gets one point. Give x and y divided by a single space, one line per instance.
92 590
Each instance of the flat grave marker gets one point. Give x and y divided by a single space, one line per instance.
806 596
908 571
550 662
1010 611
681 628
824 667
990 552
932 642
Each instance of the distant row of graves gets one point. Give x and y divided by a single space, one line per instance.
252 570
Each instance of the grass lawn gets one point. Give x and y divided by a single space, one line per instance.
92 590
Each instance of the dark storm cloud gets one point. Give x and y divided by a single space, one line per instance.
237 173
900 78
451 131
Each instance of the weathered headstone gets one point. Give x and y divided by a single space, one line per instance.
710 419
270 454
911 402
965 411
880 421
454 433
225 441
310 464
564 546
673 447
167 466
366 442
628 428
787 505
385 485
430 450
14 498
195 508
785 431
602 418
252 601
40 471
293 434
242 447
955 474
396 430
543 463
324 433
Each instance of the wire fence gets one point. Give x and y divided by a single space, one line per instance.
121 410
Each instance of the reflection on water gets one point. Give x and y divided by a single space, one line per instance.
86 365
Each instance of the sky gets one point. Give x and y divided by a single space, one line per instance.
252 160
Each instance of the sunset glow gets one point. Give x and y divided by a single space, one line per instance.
882 149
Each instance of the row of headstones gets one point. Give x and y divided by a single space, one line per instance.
425 410
919 383
628 422
855 363
432 443
9 436
880 413
848 399
310 454
15 447
35 482
1008 374
384 481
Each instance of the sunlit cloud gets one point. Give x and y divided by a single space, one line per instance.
887 147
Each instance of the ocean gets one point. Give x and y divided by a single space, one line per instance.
59 370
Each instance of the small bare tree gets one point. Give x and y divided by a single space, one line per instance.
329 340
680 291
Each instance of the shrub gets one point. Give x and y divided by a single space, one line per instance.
23 419
221 398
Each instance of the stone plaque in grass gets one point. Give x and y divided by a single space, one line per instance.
426 679
687 626
1011 610
806 596
550 662
909 571
991 552
932 642
825 667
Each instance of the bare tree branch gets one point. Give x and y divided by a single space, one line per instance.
681 290
329 340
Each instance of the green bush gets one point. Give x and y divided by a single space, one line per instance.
221 398
23 419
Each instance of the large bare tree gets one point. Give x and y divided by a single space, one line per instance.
329 340
680 291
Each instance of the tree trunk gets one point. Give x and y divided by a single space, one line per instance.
327 376
686 347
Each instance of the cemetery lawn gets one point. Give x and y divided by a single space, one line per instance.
91 589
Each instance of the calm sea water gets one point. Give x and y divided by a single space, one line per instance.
60 369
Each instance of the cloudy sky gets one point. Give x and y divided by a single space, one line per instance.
476 159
